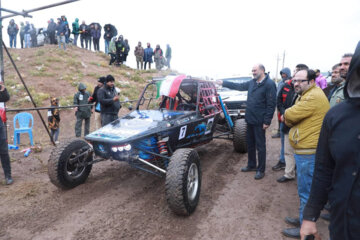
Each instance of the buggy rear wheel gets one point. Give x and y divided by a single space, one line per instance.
240 144
68 164
183 181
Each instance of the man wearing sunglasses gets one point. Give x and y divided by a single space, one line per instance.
305 118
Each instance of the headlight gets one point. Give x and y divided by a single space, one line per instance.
121 148
127 147
114 149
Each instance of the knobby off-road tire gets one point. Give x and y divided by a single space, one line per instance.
64 174
240 144
183 181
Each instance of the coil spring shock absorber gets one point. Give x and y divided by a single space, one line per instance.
162 147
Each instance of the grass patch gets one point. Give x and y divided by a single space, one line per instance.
132 92
41 71
73 63
52 59
137 78
66 101
39 52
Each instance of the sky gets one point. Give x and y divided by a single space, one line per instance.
220 38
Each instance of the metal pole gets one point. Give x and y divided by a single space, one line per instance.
283 64
277 68
2 68
41 8
28 92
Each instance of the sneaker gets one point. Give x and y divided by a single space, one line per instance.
292 232
277 135
279 166
259 175
293 221
248 169
284 179
8 181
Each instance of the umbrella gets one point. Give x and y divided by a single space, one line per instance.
95 23
113 29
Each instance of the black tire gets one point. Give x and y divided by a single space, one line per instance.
64 174
183 181
240 144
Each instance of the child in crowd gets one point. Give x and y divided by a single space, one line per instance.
54 119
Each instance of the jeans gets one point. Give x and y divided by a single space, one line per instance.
55 134
282 157
12 41
61 39
107 46
305 165
22 40
27 38
76 36
255 137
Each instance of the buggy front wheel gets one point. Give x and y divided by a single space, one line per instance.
183 181
68 165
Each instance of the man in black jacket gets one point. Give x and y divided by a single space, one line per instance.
337 165
94 99
4 152
260 109
109 101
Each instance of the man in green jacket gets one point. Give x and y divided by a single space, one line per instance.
82 113
75 30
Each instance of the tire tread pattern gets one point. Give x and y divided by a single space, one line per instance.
176 181
56 164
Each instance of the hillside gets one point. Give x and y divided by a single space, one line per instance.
50 72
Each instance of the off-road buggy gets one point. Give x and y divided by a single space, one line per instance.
189 113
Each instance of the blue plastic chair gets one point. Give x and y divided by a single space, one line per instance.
26 123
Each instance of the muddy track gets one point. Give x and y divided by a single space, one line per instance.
119 202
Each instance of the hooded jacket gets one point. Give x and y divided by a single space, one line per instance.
81 98
261 102
75 27
305 118
285 99
282 82
105 97
337 162
13 28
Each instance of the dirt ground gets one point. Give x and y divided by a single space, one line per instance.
118 202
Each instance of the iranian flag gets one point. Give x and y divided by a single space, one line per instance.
169 86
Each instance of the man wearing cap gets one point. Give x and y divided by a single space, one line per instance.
84 112
94 99
320 79
109 101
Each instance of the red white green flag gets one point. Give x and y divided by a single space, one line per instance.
169 86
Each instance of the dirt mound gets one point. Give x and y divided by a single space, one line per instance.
51 72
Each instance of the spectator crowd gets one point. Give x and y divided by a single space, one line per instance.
318 122
89 35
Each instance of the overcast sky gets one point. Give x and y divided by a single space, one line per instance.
220 38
